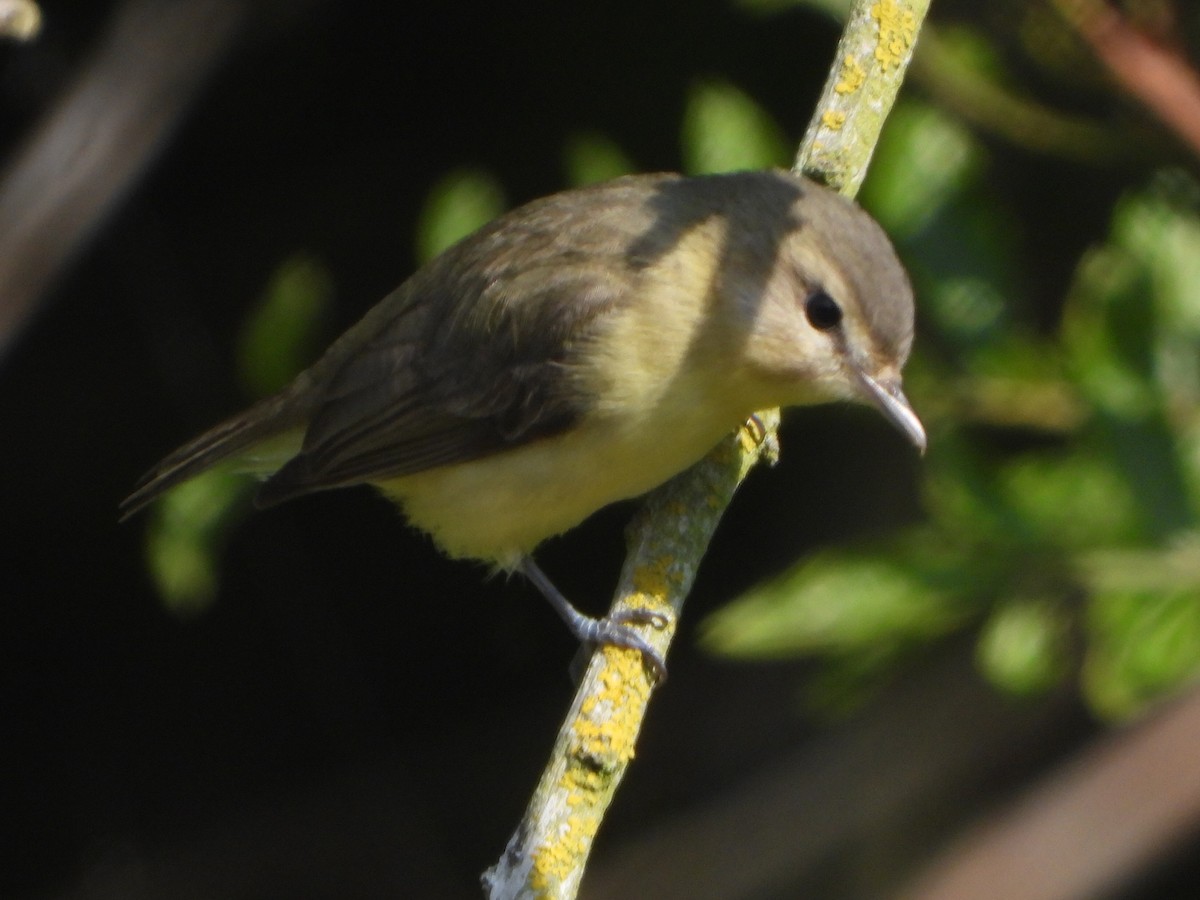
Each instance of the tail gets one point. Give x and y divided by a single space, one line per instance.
274 417
269 418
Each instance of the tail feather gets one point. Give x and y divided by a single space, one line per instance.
274 417
270 418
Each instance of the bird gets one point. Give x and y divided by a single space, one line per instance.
579 350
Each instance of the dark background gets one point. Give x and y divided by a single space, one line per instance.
356 717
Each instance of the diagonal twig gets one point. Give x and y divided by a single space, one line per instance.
1158 75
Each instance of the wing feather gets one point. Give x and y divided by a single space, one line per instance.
480 361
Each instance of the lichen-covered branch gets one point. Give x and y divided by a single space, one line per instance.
872 57
546 855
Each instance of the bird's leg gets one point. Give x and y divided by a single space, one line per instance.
614 630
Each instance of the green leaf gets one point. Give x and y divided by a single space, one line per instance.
925 159
962 497
927 188
457 205
186 534
724 130
593 158
279 336
1126 331
1018 381
1143 646
1071 501
1110 368
1170 569
1161 229
832 604
1024 646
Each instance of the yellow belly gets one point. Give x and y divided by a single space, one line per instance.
499 508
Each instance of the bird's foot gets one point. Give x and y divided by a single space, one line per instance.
614 631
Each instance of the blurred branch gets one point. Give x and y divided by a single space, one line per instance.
548 851
1159 76
20 20
98 139
1090 828
979 99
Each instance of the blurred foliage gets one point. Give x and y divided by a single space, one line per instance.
186 535
725 130
457 205
592 158
1024 646
282 333
1077 552
962 68
1142 643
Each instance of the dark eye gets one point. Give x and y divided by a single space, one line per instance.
823 311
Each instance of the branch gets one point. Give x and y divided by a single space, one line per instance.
1124 804
874 52
546 855
20 20
964 87
92 146
1156 74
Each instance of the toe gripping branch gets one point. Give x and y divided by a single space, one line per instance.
616 631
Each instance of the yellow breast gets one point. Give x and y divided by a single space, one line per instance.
499 508
663 389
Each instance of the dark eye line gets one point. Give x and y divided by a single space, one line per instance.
823 312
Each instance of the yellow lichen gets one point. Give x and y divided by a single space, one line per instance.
606 731
652 582
551 864
833 119
604 735
897 31
852 76
554 860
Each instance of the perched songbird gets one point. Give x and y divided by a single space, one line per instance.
579 350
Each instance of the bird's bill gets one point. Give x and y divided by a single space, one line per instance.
890 400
